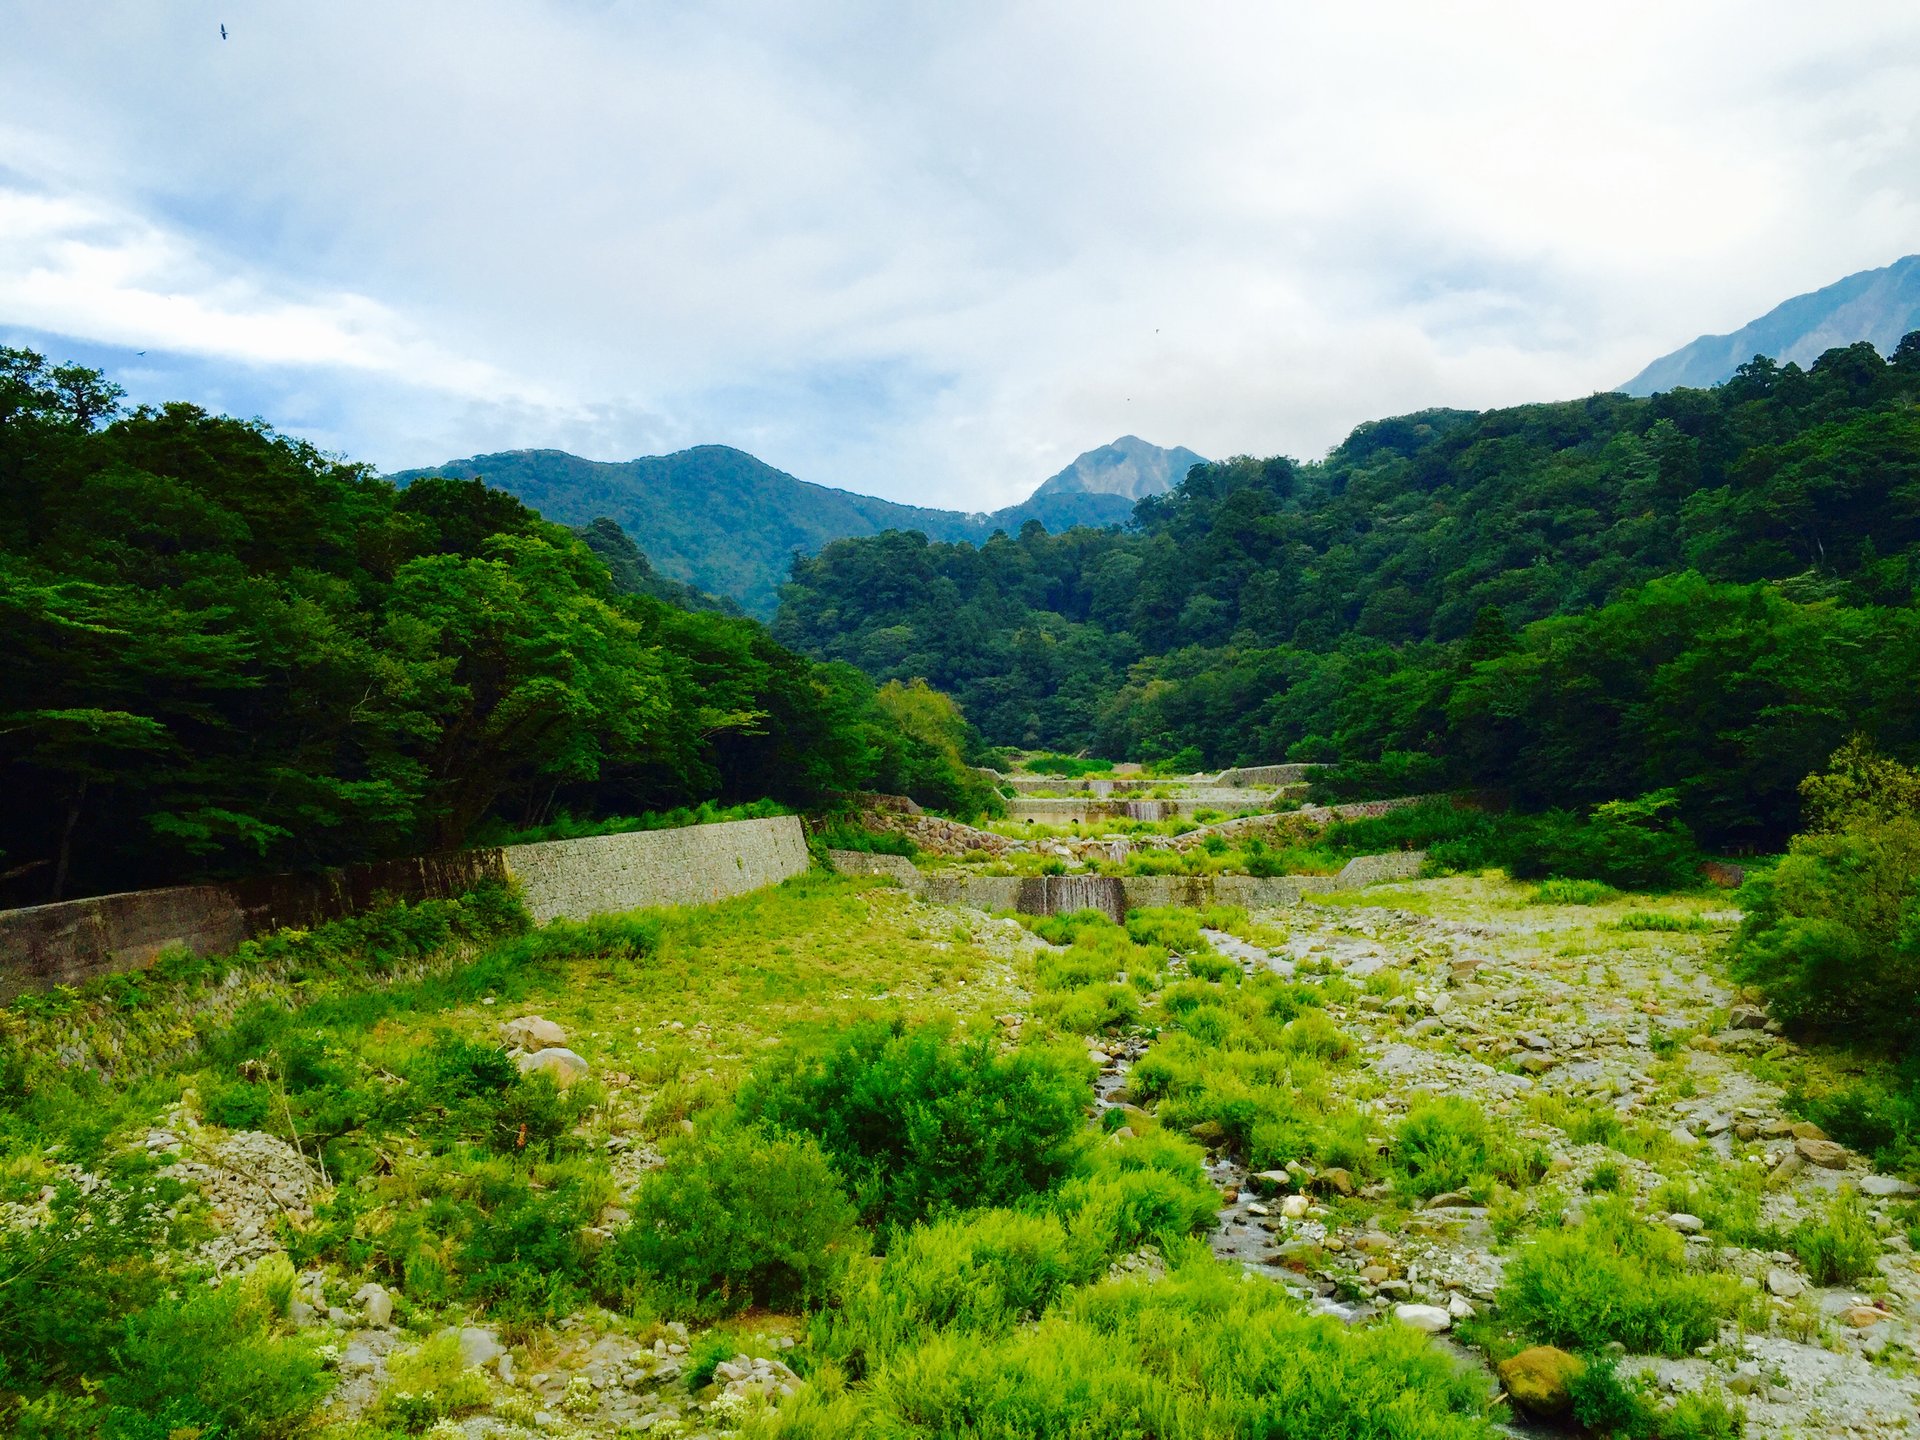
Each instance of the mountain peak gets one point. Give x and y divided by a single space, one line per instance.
1129 466
1879 306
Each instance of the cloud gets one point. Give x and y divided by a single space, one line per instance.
934 254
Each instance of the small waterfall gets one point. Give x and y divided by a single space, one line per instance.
1147 809
1059 894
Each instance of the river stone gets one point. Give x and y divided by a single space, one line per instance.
1430 1318
1861 1316
1827 1154
563 1065
532 1032
1539 1380
477 1346
1784 1283
375 1303
1449 1199
1686 1224
1271 1180
1294 1207
1884 1186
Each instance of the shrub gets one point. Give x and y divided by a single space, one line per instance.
212 1361
1614 1277
1199 1353
1092 1009
739 1217
921 1121
1573 892
1442 1145
429 1384
1146 1189
1841 1249
1624 843
1833 932
980 1273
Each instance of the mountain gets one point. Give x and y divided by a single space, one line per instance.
1129 467
1879 306
726 523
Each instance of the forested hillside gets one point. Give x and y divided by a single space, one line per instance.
228 652
729 524
1704 591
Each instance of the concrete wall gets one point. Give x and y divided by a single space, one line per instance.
576 879
70 943
1265 776
1056 894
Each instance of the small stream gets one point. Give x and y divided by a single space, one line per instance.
1241 1236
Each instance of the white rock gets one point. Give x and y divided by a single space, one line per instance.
1294 1207
1887 1185
564 1065
532 1032
375 1303
477 1346
1784 1283
1430 1318
1686 1224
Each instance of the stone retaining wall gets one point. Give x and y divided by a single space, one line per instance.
70 943
695 865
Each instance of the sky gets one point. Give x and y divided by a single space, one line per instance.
924 251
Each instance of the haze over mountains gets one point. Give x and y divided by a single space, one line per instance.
1878 306
729 524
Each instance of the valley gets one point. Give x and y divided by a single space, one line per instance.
1452 1118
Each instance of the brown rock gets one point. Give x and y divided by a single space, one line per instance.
1861 1316
1210 1133
1806 1130
1337 1180
1827 1154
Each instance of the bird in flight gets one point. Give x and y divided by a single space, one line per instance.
223 32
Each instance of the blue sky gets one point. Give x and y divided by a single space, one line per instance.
925 252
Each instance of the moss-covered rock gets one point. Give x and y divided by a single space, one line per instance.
1539 1380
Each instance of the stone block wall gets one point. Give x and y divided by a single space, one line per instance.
605 874
70 943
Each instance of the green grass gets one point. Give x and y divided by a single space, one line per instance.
1614 1277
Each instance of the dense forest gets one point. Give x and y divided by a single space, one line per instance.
1705 591
229 652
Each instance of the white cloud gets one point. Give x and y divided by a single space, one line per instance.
934 254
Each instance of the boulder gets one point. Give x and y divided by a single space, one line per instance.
532 1032
1272 1180
1449 1200
1686 1224
1540 1380
1784 1283
1887 1186
1861 1316
477 1346
563 1065
1430 1318
1747 1017
1210 1133
376 1304
1337 1180
1294 1207
1827 1154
